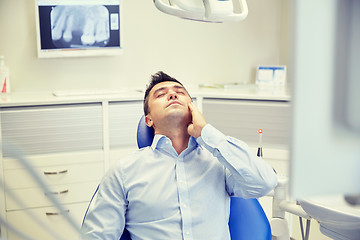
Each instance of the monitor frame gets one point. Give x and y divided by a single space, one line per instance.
83 51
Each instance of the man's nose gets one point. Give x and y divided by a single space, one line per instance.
172 95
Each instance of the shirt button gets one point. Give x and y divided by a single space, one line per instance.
184 205
187 233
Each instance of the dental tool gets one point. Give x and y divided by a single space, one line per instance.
259 152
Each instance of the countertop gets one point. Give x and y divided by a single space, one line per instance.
250 92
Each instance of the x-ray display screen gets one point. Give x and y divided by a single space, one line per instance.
69 26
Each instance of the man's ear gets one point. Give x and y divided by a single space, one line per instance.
148 121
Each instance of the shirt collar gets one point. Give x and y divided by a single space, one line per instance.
161 140
156 140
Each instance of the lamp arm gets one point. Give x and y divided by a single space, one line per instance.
176 11
213 11
223 10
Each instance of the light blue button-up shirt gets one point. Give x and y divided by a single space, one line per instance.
160 195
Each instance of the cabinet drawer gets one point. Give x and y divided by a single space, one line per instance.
36 197
51 220
45 160
53 128
243 118
55 175
122 128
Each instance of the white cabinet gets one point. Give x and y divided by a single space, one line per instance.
53 128
63 144
243 118
49 222
124 117
70 143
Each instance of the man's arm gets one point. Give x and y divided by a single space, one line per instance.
248 176
105 218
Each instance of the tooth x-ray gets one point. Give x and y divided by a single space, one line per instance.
77 26
68 28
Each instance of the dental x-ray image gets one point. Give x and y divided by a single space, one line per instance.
80 26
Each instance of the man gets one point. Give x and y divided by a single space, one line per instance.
180 186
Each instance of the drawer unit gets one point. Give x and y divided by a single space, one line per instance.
54 175
36 197
50 222
63 145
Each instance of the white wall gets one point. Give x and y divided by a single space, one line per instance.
193 52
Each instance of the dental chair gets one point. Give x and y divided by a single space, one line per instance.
247 219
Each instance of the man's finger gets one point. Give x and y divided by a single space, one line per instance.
191 106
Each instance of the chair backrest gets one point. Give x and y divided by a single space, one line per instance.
145 134
247 218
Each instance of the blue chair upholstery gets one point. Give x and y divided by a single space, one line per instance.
248 220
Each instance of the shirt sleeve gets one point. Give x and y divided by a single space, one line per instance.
247 175
105 217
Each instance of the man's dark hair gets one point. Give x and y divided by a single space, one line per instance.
158 77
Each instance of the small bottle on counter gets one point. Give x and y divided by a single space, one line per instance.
4 76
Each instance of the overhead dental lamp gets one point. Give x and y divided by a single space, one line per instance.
205 10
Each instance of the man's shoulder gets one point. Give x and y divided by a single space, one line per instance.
132 157
128 161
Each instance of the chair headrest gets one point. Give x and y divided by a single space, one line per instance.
145 134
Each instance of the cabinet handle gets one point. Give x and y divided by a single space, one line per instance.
55 173
56 213
57 193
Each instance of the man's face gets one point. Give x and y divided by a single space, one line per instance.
168 101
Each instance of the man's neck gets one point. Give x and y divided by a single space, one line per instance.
180 142
178 136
